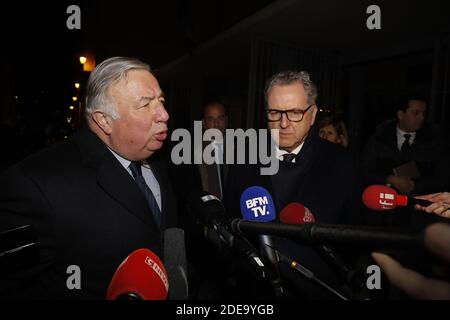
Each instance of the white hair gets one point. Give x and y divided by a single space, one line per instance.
106 74
289 76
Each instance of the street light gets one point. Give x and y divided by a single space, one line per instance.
74 98
77 85
71 107
83 60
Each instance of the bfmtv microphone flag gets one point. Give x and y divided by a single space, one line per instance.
257 205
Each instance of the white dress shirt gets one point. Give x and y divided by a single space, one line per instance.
280 153
401 137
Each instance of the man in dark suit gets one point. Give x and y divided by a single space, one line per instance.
205 282
97 197
213 176
314 172
411 142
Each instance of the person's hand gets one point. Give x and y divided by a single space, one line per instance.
403 184
437 241
440 205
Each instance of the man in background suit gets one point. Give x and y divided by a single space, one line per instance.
407 140
213 176
409 154
192 179
99 196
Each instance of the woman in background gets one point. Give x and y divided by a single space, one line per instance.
334 131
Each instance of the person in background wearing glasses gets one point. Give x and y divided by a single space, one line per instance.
314 172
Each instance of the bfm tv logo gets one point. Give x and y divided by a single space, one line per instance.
258 206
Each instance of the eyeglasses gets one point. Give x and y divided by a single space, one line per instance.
294 115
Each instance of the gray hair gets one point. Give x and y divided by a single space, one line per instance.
106 74
288 77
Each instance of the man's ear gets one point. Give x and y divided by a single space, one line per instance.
400 114
313 118
103 121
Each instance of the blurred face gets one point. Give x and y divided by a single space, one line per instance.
329 133
288 97
214 117
413 118
141 127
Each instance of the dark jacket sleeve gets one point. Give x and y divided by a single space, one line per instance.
370 173
23 203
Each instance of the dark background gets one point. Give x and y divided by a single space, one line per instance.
204 50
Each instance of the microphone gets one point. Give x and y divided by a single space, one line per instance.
382 198
257 205
213 213
297 214
307 273
315 233
141 276
175 262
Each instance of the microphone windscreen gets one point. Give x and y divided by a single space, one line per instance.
205 206
175 262
296 213
257 205
379 198
142 276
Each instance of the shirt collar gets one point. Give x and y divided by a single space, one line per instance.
280 152
401 134
124 162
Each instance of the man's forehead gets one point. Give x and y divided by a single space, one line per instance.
214 108
414 104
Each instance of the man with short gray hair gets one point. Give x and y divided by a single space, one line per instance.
99 196
313 172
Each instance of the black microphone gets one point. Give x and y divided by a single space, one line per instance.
308 274
297 214
315 233
213 213
175 263
257 205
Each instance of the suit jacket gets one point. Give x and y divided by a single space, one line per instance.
381 155
87 211
209 176
324 179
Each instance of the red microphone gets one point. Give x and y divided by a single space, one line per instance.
295 213
141 276
382 198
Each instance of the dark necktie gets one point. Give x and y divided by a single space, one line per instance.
288 157
406 146
136 171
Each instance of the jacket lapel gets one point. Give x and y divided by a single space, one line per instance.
112 177
118 183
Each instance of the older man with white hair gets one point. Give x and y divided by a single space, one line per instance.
97 197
